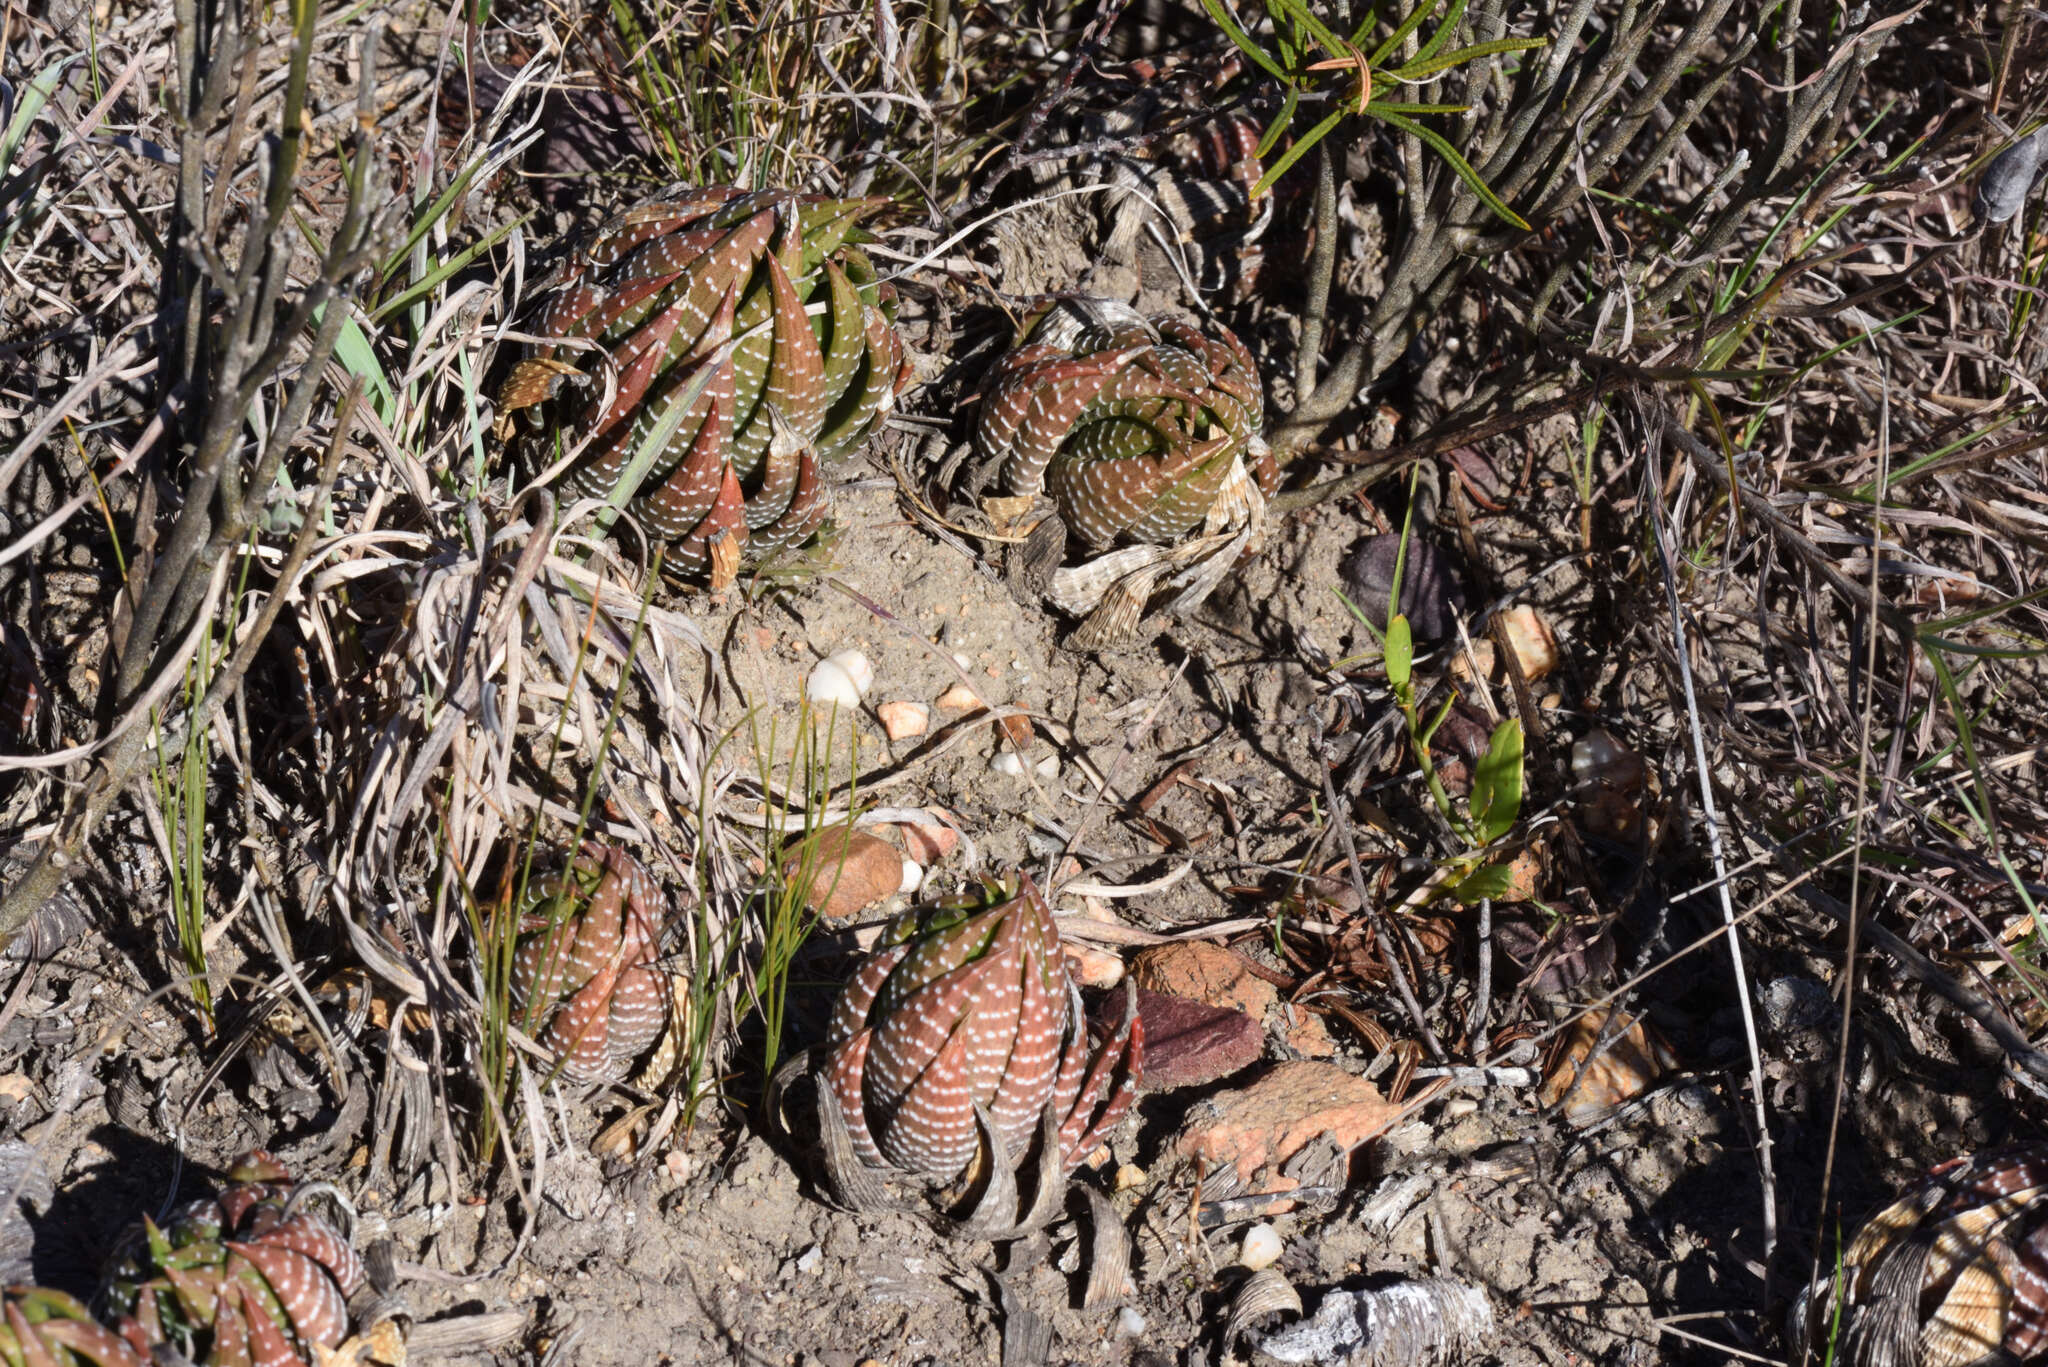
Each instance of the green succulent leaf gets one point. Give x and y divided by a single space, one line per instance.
1399 650
1497 783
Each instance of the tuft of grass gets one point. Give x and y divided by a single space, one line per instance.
800 815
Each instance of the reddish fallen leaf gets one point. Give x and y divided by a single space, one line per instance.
1188 1043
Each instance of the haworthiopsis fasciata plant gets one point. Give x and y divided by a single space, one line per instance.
1144 433
748 340
1954 1272
256 1275
46 1328
959 1049
584 980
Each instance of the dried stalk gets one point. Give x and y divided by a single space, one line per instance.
220 373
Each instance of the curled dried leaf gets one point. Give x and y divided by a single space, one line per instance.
1266 1292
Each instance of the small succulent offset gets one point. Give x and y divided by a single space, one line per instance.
1141 430
728 392
959 1041
584 980
255 1275
1954 1272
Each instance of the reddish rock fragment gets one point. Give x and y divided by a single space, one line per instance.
1259 1127
1309 1037
850 870
1204 972
928 844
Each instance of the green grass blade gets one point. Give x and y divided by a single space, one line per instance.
448 266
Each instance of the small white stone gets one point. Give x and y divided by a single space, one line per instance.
1129 1322
857 668
1049 767
1008 762
913 874
831 686
1261 1247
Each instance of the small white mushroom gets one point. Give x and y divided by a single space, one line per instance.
1261 1247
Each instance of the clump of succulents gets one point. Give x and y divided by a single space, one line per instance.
1954 1272
256 1275
747 339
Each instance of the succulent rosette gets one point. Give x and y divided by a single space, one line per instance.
1144 433
255 1275
1954 1272
751 340
584 981
959 1042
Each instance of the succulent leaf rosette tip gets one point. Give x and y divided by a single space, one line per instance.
584 978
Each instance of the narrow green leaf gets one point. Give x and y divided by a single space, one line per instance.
1457 163
442 270
657 438
1443 32
499 156
1301 14
1379 108
1296 152
1278 128
1979 614
1497 782
1400 652
33 97
1400 33
1423 68
358 357
1228 23
1358 614
1427 735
